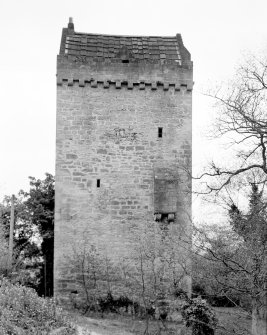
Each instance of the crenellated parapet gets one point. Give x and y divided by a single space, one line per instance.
130 85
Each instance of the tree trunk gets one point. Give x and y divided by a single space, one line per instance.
259 317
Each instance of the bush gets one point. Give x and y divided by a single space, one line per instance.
214 300
198 315
22 311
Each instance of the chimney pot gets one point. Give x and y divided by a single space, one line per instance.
71 25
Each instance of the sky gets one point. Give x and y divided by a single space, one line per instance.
217 34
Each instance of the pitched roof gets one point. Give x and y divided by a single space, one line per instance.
125 48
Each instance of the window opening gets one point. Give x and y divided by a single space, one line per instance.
165 218
125 61
160 132
98 183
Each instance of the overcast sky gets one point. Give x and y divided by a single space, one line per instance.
217 33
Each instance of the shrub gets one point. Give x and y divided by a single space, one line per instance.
22 311
198 315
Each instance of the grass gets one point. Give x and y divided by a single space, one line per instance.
124 325
232 321
23 312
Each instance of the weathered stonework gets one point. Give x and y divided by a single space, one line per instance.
123 149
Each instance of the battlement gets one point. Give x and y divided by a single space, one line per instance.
118 84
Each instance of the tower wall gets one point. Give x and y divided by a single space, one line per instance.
114 171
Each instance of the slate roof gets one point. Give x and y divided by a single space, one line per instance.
126 48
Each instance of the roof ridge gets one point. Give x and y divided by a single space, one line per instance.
130 36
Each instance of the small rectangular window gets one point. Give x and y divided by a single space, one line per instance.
160 129
98 183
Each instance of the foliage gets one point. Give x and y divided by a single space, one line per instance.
3 250
25 250
198 315
23 312
40 203
33 234
241 122
141 283
236 258
212 293
25 264
219 250
162 263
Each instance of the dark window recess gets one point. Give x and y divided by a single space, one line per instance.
160 129
125 61
98 183
164 217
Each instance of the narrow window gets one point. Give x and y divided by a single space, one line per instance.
98 183
160 131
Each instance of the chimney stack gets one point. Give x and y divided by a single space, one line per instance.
70 24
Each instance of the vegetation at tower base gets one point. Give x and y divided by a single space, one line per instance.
198 314
240 256
152 285
22 312
146 284
33 235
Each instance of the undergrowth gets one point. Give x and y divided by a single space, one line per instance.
22 311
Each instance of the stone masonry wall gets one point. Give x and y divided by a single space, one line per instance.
108 120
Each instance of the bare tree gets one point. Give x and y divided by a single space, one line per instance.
242 122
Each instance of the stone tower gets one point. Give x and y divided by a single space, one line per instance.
123 149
